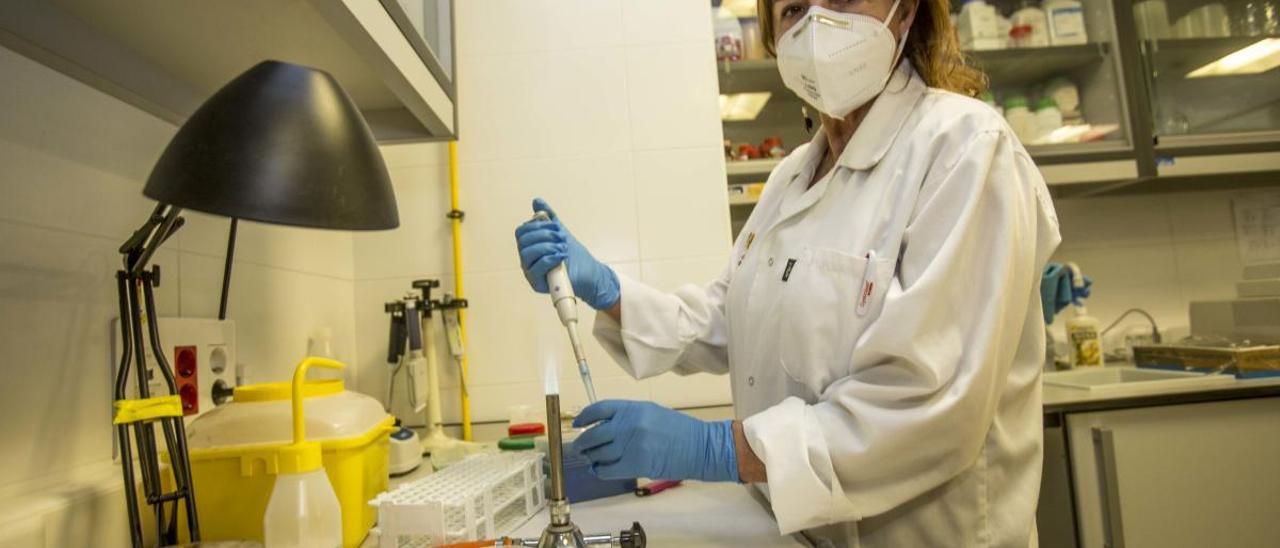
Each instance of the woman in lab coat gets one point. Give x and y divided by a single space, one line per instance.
879 317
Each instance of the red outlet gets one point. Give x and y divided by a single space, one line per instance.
184 366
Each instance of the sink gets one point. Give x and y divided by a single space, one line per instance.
1121 380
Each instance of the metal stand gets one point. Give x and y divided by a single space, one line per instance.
135 285
561 532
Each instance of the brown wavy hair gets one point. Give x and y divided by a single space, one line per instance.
932 46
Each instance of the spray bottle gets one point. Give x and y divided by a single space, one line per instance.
303 511
1082 329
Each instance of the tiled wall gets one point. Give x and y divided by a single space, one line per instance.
73 162
1156 252
606 108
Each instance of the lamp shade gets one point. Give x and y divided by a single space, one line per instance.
282 144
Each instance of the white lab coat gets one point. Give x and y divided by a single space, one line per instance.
882 329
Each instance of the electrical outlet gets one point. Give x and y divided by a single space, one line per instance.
202 354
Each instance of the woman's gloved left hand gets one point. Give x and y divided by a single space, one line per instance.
633 439
1057 290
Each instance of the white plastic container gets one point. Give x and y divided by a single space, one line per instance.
1003 27
1066 22
978 26
1020 118
1030 26
303 513
728 36
1066 95
1048 118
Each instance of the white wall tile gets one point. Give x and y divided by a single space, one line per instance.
647 22
592 195
310 250
57 298
414 154
275 311
1208 269
422 243
496 27
1202 216
683 209
1123 220
673 96
538 105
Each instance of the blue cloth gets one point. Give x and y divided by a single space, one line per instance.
1057 291
633 439
545 244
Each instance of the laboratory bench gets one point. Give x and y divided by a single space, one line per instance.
1156 466
1161 466
693 515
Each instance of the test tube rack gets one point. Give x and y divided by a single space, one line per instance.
482 496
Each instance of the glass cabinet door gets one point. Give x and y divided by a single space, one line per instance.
1211 67
428 24
1054 73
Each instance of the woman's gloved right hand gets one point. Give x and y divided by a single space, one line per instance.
545 244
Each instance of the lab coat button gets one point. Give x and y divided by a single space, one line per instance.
770 261
751 381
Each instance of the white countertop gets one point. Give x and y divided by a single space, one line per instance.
693 515
1061 396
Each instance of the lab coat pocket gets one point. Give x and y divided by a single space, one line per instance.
829 300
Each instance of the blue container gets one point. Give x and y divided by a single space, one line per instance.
580 485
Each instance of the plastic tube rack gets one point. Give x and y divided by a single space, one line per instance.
482 496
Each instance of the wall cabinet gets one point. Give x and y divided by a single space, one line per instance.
394 57
1149 114
1188 475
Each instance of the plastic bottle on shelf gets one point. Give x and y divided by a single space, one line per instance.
1066 22
728 36
1065 93
1020 118
1004 28
978 27
1048 118
1030 26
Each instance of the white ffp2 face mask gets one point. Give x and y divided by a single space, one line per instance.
838 61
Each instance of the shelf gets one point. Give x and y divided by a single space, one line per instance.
1005 67
1027 66
762 167
1175 57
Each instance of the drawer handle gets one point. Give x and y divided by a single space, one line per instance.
1104 453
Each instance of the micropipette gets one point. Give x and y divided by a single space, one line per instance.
567 308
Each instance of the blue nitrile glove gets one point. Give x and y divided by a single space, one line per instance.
633 439
543 244
1056 291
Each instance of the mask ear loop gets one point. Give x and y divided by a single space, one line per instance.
901 48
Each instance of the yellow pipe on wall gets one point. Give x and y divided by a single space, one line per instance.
456 222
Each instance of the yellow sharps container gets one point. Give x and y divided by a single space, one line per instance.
233 451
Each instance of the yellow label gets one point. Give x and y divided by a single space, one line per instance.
1086 348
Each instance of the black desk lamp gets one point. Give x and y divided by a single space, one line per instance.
280 144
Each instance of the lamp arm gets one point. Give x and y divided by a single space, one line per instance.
158 228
